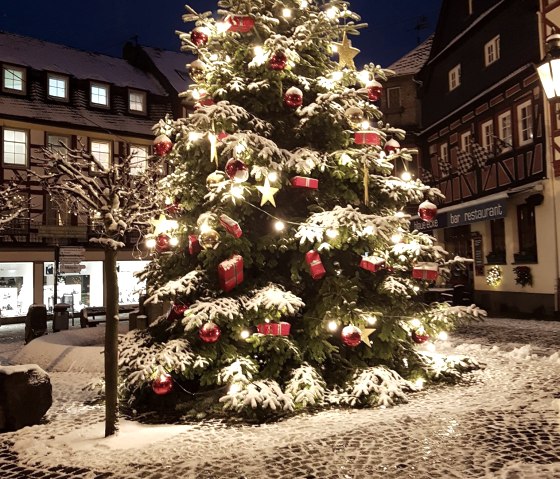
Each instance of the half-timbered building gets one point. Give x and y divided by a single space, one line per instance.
484 143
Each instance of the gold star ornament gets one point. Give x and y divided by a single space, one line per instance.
267 193
365 333
163 225
346 53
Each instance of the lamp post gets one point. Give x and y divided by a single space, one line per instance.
549 69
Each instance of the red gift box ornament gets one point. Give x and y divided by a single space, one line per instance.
316 268
240 23
367 137
194 245
304 182
372 263
230 272
427 210
426 271
274 329
231 226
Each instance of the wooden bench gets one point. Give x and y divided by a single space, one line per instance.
101 313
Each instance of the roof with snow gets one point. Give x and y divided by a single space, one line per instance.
45 56
414 60
173 65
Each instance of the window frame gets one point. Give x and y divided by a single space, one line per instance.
100 85
146 148
110 153
528 105
390 106
508 140
465 141
492 51
454 77
487 137
55 146
57 76
23 71
27 150
528 234
144 98
498 237
443 151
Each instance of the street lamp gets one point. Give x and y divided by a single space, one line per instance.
549 69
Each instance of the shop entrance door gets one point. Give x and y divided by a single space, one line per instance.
458 243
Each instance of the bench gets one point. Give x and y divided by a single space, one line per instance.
100 312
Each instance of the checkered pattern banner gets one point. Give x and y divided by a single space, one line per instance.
465 162
481 155
426 176
444 167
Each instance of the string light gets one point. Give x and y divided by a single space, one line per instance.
287 13
304 4
415 323
205 228
236 191
332 326
332 12
279 225
371 320
222 27
151 243
419 383
443 336
337 75
235 388
273 176
332 233
245 334
396 238
406 176
365 125
195 136
364 77
174 241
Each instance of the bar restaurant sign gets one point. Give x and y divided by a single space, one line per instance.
491 210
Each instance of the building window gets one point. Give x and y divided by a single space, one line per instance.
139 161
454 77
15 147
444 152
487 130
54 144
466 142
137 101
504 125
99 94
101 151
492 51
58 87
498 241
55 214
13 79
470 6
394 97
527 232
525 123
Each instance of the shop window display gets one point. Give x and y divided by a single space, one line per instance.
16 289
130 287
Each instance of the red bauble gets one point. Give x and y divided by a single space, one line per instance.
240 23
199 36
177 311
427 210
351 336
173 209
278 61
162 145
163 384
209 332
163 243
204 102
293 97
419 338
237 170
392 146
374 89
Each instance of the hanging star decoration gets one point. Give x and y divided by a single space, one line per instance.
365 333
346 53
163 225
267 193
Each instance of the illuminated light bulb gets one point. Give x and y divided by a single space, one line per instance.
364 77
332 12
196 94
222 27
228 59
396 238
245 334
443 336
345 159
174 241
234 388
336 76
334 49
415 289
431 347
304 4
236 191
415 323
204 228
259 51
195 136
332 233
332 326
273 176
151 243
419 383
279 225
406 176
365 125
287 12
371 320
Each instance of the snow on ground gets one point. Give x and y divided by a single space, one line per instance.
502 422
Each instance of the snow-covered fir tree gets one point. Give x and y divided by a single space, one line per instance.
297 282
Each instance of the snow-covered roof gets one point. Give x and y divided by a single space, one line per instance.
414 60
173 65
71 115
45 56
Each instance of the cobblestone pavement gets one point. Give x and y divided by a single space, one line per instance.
502 422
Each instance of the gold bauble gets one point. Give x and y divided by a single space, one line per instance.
355 116
197 70
215 178
209 239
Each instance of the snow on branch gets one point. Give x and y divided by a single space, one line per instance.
210 309
184 286
274 297
263 394
13 204
306 386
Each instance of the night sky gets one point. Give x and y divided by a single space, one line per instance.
105 25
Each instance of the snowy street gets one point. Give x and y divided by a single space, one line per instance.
503 422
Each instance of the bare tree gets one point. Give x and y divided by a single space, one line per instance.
13 204
118 199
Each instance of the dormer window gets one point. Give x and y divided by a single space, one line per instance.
58 86
470 5
137 101
454 77
99 94
13 79
492 51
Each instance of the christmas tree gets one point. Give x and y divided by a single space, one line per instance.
295 281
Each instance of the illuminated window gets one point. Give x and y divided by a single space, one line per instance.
13 79
58 87
492 51
54 143
137 101
99 94
504 132
139 161
487 130
15 150
525 123
101 151
466 142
